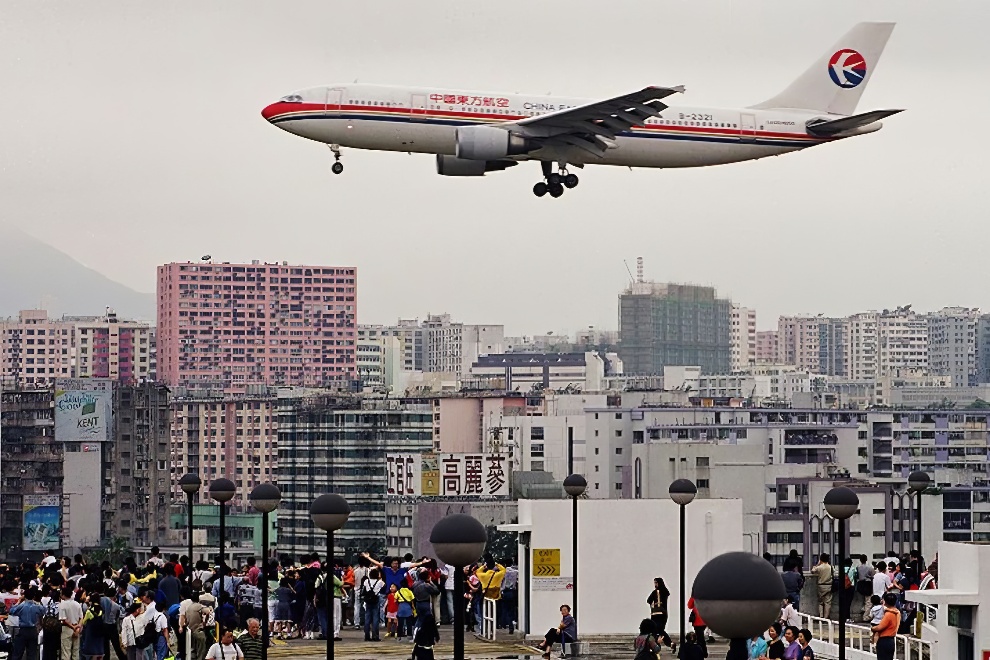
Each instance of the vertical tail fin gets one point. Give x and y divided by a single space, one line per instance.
835 81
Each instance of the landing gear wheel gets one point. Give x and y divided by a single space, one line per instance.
337 168
540 189
555 189
571 180
553 179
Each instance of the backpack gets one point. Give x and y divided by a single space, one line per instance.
149 636
320 592
368 595
50 622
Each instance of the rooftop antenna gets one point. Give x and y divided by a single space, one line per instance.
639 269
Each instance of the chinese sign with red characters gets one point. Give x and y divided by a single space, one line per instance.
462 99
447 475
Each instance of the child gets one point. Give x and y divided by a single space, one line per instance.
391 611
876 614
406 611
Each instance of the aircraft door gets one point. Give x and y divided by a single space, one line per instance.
417 104
747 124
335 97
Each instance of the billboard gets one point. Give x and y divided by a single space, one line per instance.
42 522
83 410
447 475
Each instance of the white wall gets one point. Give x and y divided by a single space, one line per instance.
622 546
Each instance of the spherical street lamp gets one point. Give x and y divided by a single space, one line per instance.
738 595
222 490
190 485
574 486
918 483
265 498
329 512
458 540
682 491
841 503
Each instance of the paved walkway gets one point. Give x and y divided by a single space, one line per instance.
355 648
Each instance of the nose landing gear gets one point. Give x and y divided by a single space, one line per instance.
337 166
554 183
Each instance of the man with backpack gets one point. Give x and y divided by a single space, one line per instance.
153 629
371 590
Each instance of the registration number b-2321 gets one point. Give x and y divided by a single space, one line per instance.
696 117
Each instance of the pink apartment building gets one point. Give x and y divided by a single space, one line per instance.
223 325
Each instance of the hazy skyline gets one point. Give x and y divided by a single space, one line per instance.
132 137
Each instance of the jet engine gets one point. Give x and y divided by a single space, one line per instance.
489 143
454 166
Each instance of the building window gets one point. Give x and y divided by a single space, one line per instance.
701 461
536 450
703 483
596 451
536 433
618 486
618 450
618 434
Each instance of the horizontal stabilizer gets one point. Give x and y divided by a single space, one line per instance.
825 128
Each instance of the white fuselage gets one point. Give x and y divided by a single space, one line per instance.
424 120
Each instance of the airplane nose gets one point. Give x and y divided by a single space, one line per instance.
270 111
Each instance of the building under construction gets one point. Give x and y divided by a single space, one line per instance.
673 324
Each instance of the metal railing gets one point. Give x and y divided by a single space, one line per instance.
858 638
489 607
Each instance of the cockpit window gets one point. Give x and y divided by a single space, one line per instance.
291 98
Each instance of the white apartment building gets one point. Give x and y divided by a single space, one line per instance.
34 350
952 344
902 341
381 359
861 346
742 337
453 347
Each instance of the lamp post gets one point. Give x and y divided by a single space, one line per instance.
575 486
918 482
458 540
190 485
329 512
841 503
222 490
682 491
738 595
265 498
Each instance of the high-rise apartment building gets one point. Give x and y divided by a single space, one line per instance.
832 346
742 337
798 342
228 325
224 435
452 347
767 346
35 350
671 325
108 347
137 471
30 474
333 444
952 348
861 346
902 341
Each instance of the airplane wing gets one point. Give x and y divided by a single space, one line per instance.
827 128
588 126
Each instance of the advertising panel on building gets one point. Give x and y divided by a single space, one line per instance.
83 409
447 475
42 522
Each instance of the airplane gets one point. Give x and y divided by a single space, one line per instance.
473 133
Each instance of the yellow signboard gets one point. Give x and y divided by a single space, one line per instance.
546 562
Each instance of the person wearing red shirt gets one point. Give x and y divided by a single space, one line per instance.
699 625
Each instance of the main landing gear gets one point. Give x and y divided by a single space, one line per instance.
337 166
554 182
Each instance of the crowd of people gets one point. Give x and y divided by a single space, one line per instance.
62 609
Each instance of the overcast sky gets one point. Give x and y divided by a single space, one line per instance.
130 136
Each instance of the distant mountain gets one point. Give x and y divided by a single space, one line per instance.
35 275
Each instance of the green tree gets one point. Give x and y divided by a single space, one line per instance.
114 550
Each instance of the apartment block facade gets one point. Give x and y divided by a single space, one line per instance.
228 326
952 344
217 434
108 347
35 350
742 338
452 347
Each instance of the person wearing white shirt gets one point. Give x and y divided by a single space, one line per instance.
448 594
789 616
129 632
70 615
881 580
225 649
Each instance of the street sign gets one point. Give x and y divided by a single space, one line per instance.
546 562
553 584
